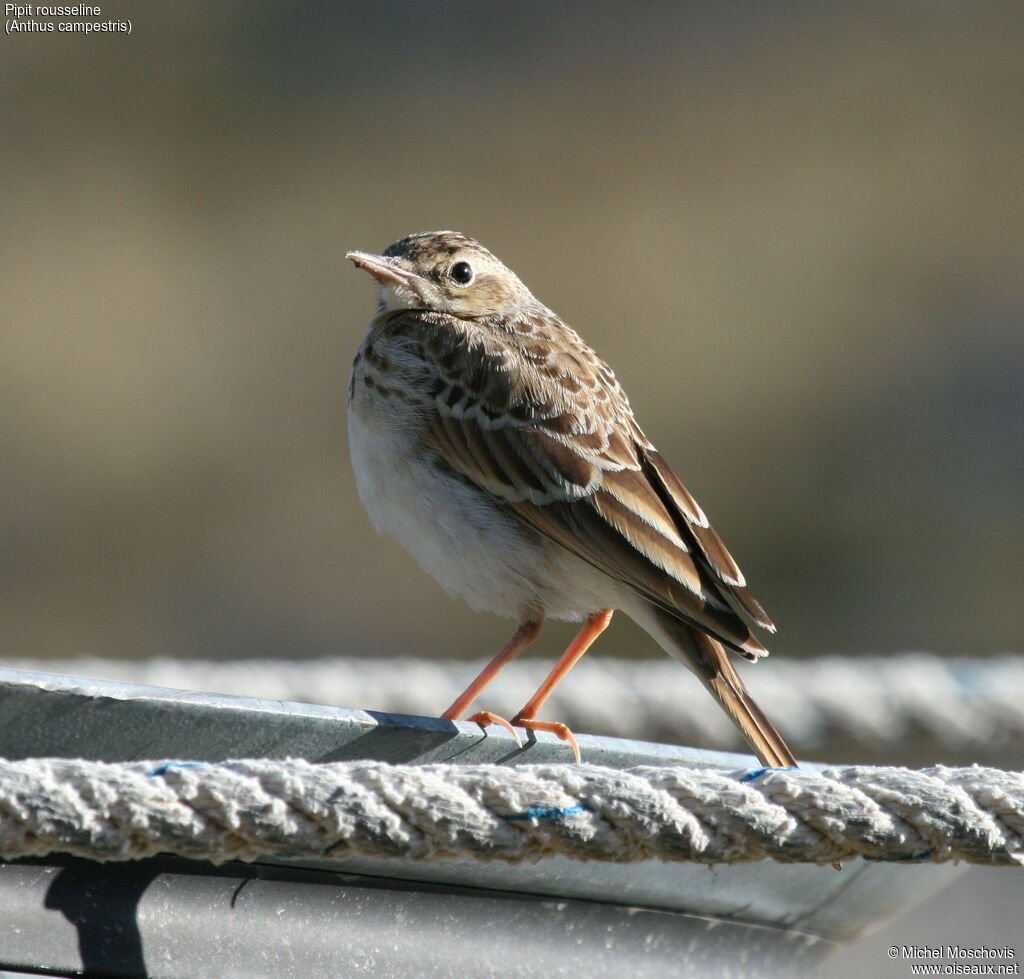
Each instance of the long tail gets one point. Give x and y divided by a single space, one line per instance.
709 660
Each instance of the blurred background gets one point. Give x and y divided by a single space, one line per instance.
795 231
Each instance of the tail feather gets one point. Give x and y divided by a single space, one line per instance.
709 660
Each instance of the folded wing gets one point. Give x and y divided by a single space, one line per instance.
548 431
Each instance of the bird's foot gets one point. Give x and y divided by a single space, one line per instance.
485 717
557 728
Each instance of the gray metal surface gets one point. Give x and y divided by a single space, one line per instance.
46 715
106 720
171 918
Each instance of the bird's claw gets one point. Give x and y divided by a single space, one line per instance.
485 717
557 728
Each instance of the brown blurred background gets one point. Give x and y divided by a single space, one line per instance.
796 231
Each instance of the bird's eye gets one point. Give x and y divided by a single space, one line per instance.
462 273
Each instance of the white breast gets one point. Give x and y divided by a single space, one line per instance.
459 536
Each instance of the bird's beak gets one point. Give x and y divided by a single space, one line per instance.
386 270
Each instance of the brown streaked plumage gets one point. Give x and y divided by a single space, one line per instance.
503 454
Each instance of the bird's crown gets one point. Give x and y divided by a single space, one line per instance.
446 272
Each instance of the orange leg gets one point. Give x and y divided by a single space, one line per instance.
522 638
592 628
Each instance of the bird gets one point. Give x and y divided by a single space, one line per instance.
501 451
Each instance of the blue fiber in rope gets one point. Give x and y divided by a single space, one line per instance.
911 859
539 813
758 772
167 766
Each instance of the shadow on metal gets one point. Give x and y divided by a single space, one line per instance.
103 910
167 917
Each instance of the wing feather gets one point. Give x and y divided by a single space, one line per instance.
563 453
718 558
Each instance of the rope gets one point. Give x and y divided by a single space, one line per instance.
253 808
974 705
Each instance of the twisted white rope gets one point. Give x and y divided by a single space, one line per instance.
976 705
252 808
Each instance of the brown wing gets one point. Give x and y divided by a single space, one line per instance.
534 417
697 529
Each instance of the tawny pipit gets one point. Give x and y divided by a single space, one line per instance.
502 453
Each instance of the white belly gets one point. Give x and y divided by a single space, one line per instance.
471 546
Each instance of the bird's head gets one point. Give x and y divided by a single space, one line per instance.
445 272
